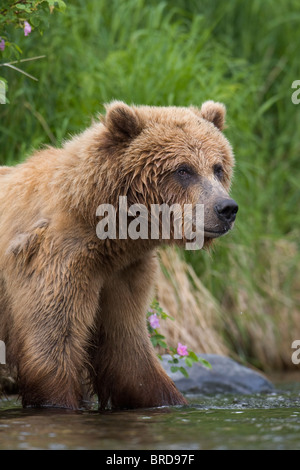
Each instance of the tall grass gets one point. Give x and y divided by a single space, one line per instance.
183 52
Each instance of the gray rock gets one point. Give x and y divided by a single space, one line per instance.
225 376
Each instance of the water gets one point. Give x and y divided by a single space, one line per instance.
269 421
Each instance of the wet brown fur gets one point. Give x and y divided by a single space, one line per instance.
72 306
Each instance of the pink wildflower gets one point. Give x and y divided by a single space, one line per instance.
27 28
182 350
154 321
2 44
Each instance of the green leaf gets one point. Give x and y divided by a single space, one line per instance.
21 6
35 21
162 344
158 336
205 363
174 360
193 356
172 350
189 361
184 372
2 92
58 4
174 368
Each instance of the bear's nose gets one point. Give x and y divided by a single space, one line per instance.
226 210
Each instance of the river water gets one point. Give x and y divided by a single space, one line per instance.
264 421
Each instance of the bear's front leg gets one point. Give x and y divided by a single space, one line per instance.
128 372
54 302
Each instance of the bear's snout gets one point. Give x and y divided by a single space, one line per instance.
226 210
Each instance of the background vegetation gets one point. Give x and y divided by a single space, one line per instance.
243 298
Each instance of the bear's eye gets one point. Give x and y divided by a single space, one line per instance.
218 171
185 172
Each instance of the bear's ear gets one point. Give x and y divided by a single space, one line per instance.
122 121
213 112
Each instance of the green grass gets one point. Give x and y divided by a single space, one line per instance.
244 54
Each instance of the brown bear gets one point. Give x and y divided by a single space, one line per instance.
72 305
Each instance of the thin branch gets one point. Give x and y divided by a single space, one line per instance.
10 64
23 60
21 71
33 58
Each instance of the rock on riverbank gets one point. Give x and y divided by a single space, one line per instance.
225 376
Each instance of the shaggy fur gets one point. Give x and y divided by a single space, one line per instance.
72 306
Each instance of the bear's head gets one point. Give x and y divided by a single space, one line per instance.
174 155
